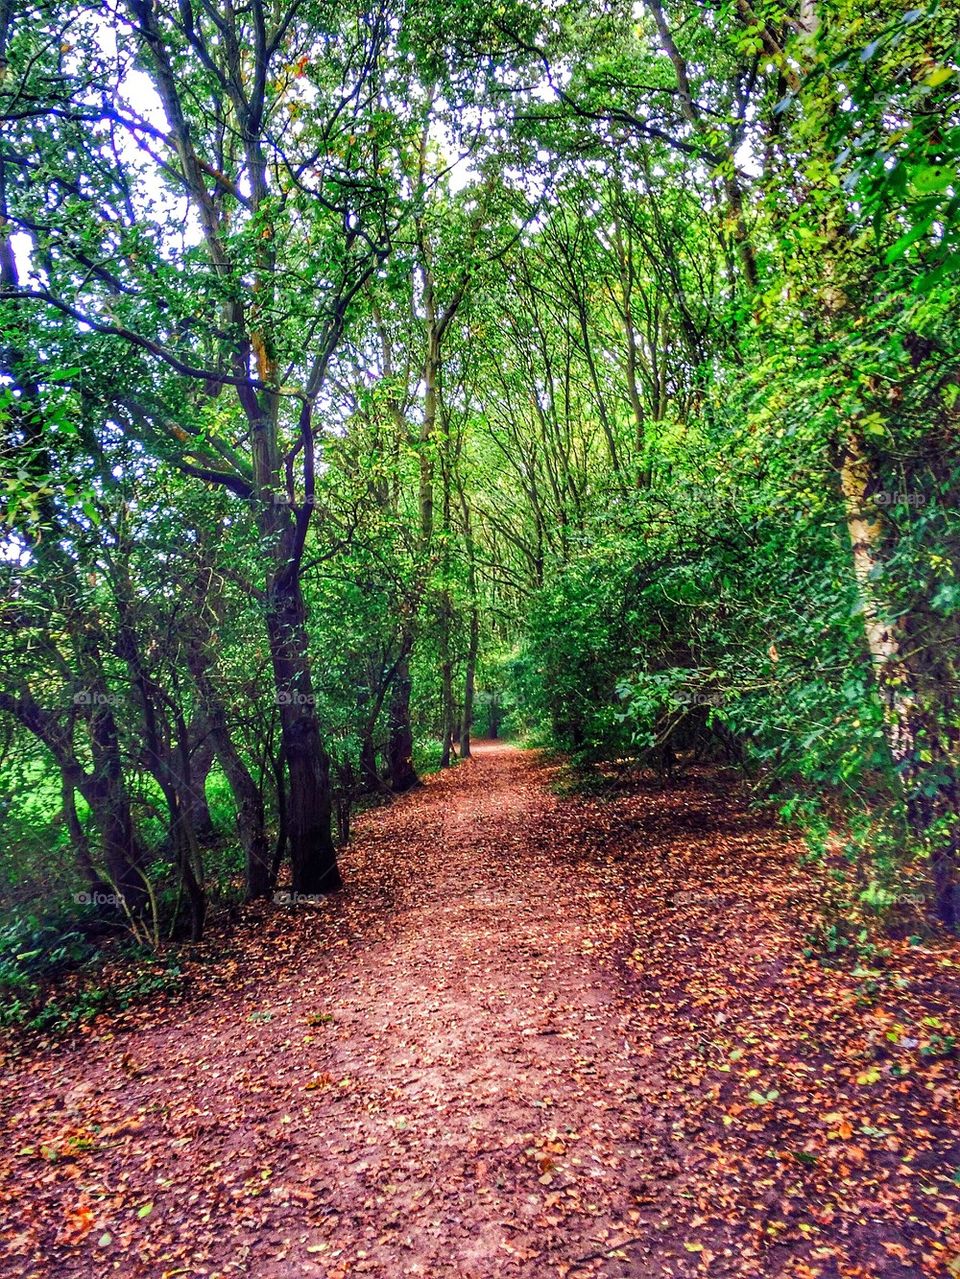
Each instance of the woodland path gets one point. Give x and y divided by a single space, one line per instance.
535 1036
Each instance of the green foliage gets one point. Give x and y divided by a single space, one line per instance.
31 949
603 361
35 954
32 953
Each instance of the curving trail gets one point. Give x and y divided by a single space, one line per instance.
522 1042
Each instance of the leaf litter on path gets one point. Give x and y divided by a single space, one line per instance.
535 1036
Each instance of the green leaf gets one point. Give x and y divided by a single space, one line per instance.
915 233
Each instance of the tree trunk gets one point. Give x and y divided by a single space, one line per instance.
166 753
369 777
922 753
171 768
343 800
250 815
106 794
466 723
449 714
627 277
122 852
495 715
693 115
188 860
473 643
447 710
279 763
313 856
97 885
201 761
401 774
251 822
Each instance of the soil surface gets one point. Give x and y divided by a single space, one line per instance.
536 1035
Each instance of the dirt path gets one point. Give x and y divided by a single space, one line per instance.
535 1036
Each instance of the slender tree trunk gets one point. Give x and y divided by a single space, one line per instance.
313 856
343 799
496 715
866 532
201 761
732 189
170 767
473 643
401 773
370 780
469 679
166 755
122 852
251 824
447 711
106 793
369 777
188 860
279 763
250 815
427 429
80 844
922 753
627 275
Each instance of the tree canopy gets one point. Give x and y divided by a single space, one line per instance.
374 376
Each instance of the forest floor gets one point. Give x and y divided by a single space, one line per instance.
536 1035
